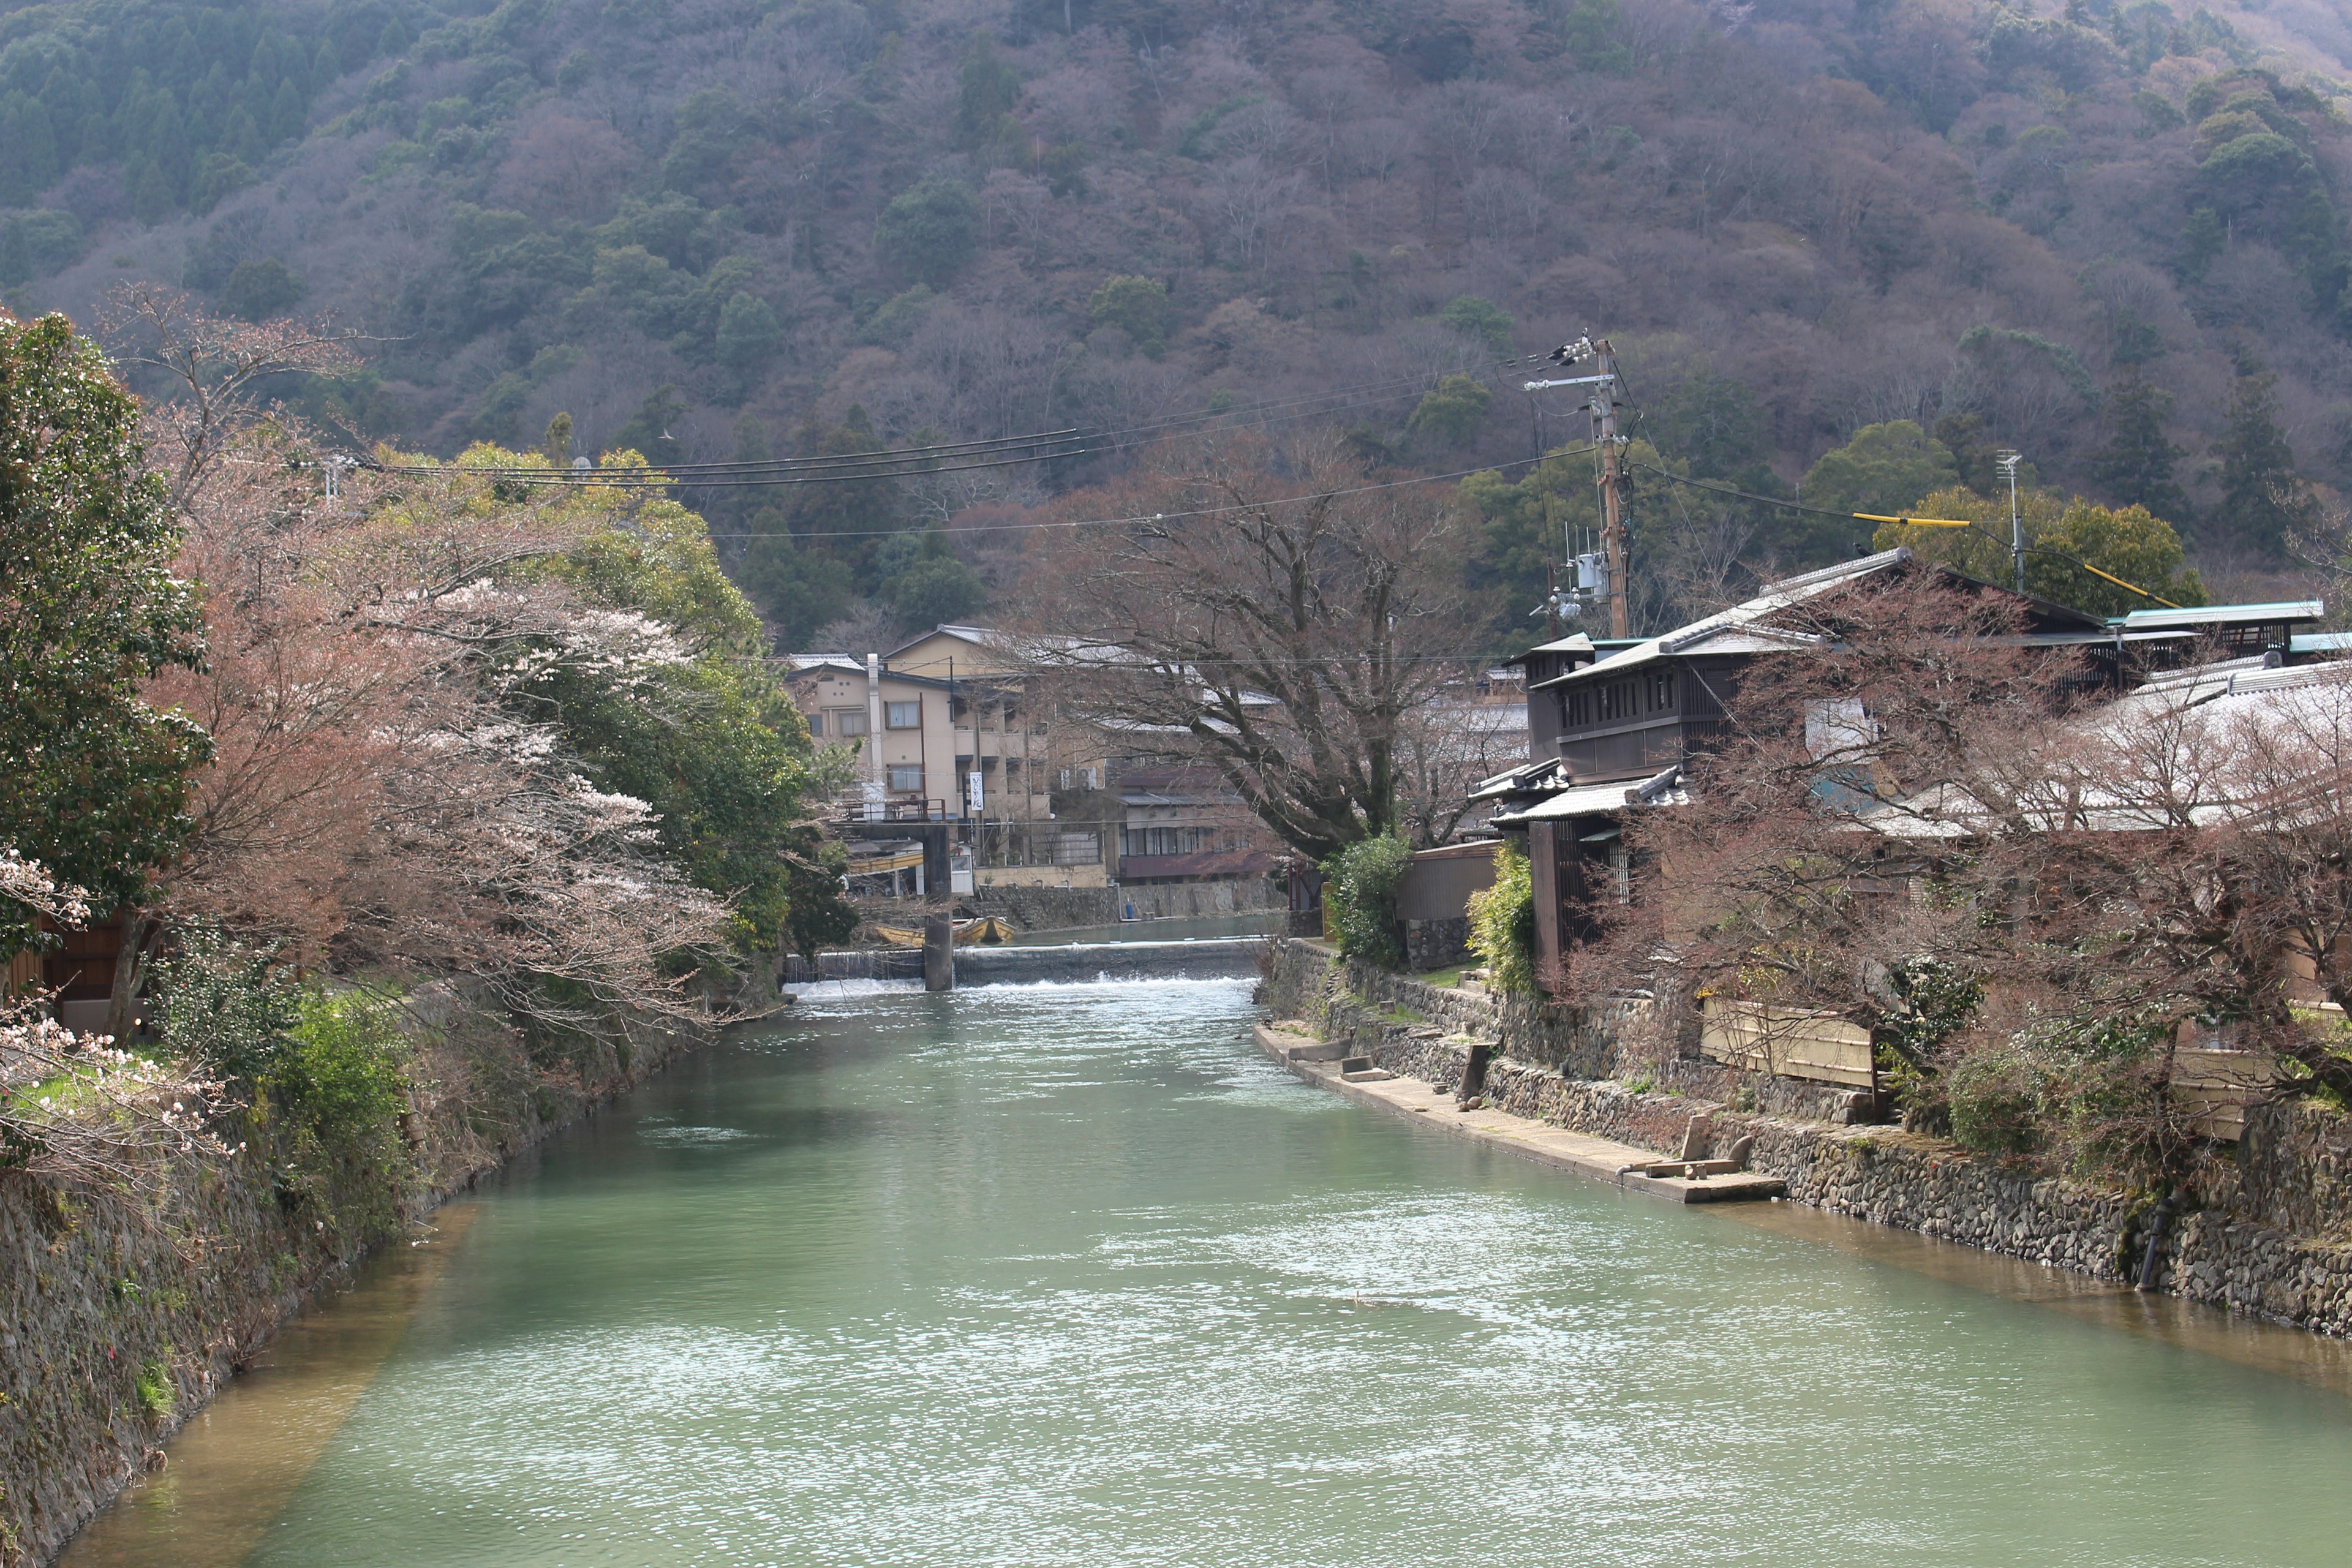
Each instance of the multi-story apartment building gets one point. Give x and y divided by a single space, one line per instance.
947 737
952 727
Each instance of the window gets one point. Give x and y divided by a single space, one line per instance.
1576 707
1661 691
847 722
1620 700
817 723
907 780
1165 840
903 715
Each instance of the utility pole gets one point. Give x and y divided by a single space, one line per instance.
2009 461
1612 483
1603 408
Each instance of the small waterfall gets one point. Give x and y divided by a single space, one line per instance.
857 963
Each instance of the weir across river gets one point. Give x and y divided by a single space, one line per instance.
1181 958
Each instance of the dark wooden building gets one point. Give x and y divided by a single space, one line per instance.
1610 725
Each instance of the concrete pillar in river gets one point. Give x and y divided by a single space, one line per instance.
939 952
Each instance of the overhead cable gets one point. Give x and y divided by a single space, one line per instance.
1162 516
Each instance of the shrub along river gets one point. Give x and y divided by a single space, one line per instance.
1072 1275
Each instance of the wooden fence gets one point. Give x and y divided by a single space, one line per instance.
1787 1042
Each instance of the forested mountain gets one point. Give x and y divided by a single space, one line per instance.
717 228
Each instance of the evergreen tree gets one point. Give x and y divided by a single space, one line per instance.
1976 456
2265 500
842 519
987 87
797 590
31 162
151 198
2136 467
97 779
649 433
286 112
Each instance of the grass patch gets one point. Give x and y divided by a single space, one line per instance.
1392 1013
1444 979
157 1395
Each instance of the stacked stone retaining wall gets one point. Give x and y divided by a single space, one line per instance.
99 1293
2273 1236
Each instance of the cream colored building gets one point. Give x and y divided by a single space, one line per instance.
945 736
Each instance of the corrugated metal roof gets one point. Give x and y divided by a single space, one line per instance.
1740 617
2223 615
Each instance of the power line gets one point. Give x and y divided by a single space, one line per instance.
1165 516
909 462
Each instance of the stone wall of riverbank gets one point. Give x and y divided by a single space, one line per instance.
120 1317
2270 1235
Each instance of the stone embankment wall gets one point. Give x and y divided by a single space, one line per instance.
120 1317
2270 1236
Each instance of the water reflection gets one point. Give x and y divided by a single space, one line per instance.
239 1460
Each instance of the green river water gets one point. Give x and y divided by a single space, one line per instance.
1072 1275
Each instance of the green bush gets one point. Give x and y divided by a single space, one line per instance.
224 1004
338 1089
1360 892
1503 920
1996 1101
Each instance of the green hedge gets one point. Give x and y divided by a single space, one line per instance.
1361 892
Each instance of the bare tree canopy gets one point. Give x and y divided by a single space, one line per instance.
217 372
1273 609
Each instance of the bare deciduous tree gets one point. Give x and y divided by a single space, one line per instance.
216 368
1281 611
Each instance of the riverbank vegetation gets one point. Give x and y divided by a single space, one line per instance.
426 803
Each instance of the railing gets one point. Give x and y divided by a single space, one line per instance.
857 808
1006 844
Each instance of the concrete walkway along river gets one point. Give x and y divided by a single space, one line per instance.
1073 1274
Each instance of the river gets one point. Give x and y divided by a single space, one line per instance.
1072 1275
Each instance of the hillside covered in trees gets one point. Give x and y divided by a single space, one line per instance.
2118 239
